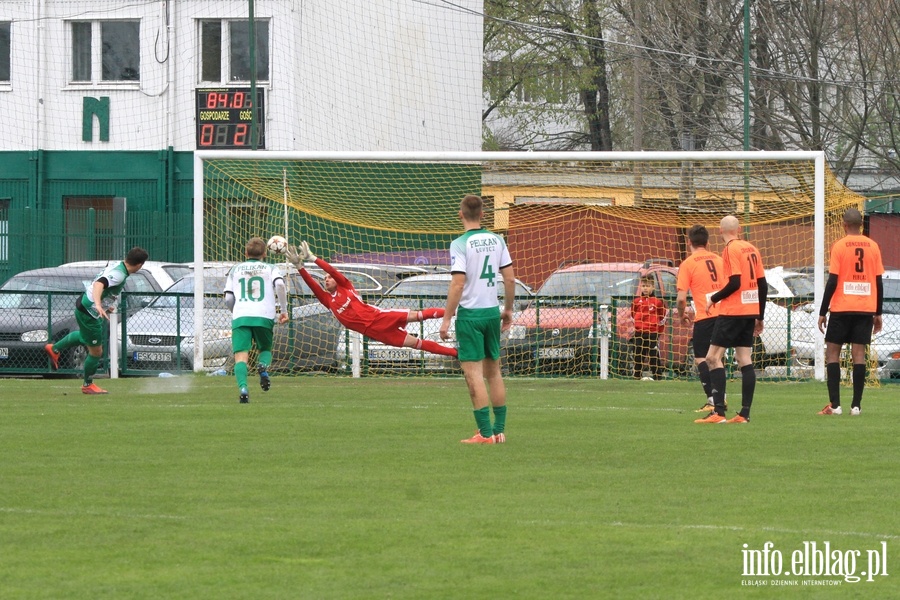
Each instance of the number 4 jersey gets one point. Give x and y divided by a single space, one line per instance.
480 254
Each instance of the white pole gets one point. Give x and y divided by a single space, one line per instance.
356 353
604 356
198 263
284 185
819 259
752 155
113 345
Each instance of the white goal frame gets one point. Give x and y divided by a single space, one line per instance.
816 157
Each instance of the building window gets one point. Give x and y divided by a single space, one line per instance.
225 51
4 51
106 51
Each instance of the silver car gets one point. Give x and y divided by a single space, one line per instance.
161 336
415 293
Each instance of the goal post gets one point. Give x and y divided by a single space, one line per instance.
554 208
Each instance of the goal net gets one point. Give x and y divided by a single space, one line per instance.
581 227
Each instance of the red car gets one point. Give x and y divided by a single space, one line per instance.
562 331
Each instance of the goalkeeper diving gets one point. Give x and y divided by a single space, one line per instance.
345 303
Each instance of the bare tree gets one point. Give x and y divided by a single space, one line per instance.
569 74
546 75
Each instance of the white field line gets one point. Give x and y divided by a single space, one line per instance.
749 530
86 513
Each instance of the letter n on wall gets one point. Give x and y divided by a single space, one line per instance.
95 107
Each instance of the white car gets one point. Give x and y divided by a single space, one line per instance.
885 344
415 293
789 295
165 273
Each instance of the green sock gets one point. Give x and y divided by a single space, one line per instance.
73 339
90 367
265 359
483 419
240 372
499 419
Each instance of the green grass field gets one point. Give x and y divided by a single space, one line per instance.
328 487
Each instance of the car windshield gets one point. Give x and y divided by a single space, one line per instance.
414 294
39 283
602 285
297 287
176 272
183 291
800 285
891 296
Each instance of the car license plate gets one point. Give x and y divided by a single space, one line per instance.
4 352
556 352
152 356
390 354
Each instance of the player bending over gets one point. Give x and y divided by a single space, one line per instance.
385 326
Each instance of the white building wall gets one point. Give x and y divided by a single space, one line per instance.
349 75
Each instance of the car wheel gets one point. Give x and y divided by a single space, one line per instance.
74 358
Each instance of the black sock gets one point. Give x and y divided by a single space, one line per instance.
859 383
833 378
748 386
703 372
717 383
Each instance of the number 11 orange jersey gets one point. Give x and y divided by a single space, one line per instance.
742 258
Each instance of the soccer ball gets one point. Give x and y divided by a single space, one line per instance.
277 244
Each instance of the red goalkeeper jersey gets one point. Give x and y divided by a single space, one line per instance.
345 303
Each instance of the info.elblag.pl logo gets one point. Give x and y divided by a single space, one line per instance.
813 559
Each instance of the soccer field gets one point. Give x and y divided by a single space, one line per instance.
328 487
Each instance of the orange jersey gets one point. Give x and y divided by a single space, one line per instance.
856 260
702 274
742 258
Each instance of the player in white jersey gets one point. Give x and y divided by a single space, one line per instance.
480 261
251 291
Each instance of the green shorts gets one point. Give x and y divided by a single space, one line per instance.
242 338
91 329
477 339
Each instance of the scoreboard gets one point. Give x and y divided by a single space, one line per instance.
223 118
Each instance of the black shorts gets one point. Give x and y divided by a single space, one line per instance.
846 328
733 332
701 336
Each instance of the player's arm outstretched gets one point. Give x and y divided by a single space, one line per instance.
296 258
339 278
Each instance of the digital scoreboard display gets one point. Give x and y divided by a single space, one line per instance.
223 118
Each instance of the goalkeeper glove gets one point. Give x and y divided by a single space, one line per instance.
305 252
293 257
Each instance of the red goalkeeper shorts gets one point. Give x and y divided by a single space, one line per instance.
389 327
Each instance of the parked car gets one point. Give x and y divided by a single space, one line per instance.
885 344
38 306
789 295
161 337
165 273
560 333
415 293
370 280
